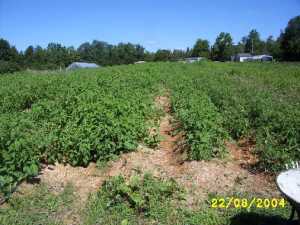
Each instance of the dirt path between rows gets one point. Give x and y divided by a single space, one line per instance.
198 177
220 176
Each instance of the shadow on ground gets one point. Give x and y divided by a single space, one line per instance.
33 180
259 219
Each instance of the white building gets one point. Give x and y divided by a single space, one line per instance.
139 62
246 57
262 58
193 59
241 57
81 65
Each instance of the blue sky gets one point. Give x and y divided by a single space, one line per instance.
154 24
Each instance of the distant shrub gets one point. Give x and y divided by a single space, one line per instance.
8 67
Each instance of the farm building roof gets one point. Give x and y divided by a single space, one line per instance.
243 55
261 56
78 65
193 59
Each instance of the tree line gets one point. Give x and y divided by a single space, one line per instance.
284 48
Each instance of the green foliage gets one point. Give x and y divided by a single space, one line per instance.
8 52
144 199
162 55
253 43
107 54
179 54
201 48
149 200
4 50
140 200
201 121
251 100
94 115
8 67
223 47
75 119
273 47
9 58
38 207
290 40
259 101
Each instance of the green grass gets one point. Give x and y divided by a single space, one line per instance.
38 207
143 199
148 200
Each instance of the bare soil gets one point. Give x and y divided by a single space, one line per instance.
84 180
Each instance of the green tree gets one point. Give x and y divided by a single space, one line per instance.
28 56
126 53
253 43
8 67
4 50
73 55
114 56
178 54
290 40
239 48
38 58
149 56
201 48
85 52
188 52
100 52
162 55
57 56
223 47
273 47
10 59
139 52
8 52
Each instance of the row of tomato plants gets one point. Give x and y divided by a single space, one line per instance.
72 118
260 102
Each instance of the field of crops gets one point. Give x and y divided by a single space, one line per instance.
92 115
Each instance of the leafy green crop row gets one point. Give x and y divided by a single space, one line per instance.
248 100
261 102
90 115
201 120
74 118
